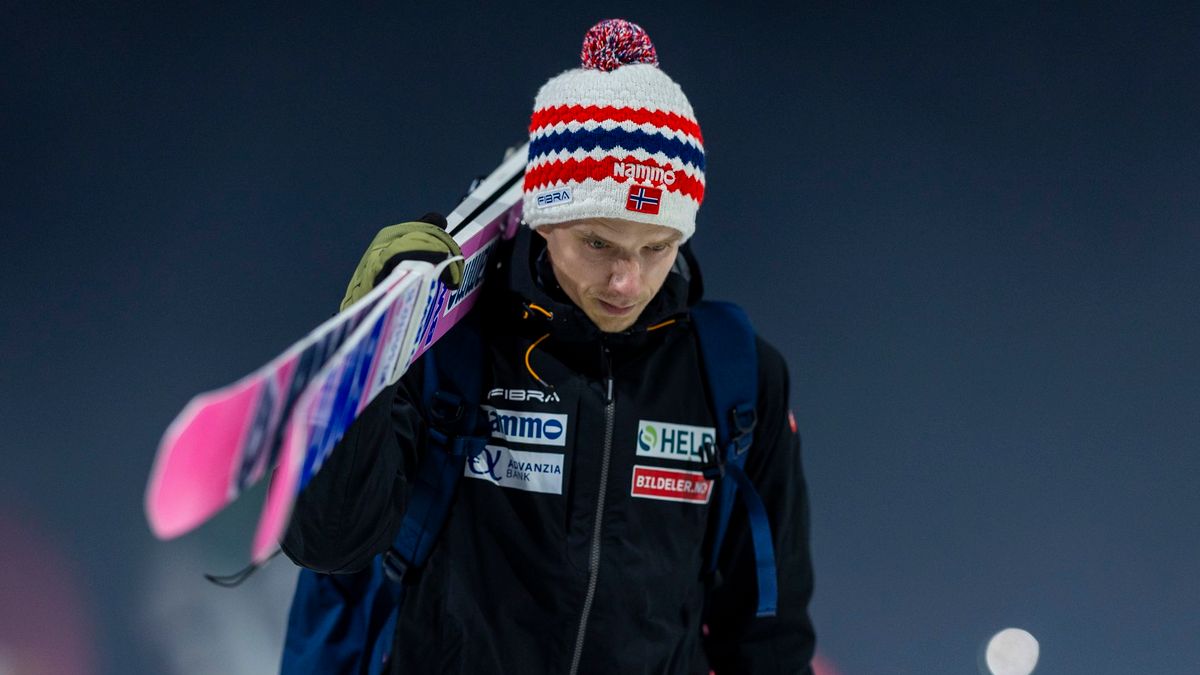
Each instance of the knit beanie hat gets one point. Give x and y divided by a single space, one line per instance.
614 139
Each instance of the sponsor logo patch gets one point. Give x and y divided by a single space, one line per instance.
643 199
528 427
670 485
518 469
525 395
644 173
555 197
663 440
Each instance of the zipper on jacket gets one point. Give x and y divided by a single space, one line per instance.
594 557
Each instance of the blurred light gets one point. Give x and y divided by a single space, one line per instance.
1012 651
821 665
45 617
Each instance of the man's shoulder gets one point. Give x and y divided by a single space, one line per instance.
772 372
772 367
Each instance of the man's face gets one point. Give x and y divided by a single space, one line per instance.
611 268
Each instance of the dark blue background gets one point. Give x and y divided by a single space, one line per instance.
971 229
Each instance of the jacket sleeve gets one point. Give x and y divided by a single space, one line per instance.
738 642
352 508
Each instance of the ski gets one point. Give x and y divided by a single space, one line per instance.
291 411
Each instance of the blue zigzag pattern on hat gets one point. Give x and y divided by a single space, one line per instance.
607 139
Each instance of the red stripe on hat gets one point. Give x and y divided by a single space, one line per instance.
580 170
577 113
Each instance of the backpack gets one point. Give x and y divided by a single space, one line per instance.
345 623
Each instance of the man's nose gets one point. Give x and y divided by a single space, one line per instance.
625 277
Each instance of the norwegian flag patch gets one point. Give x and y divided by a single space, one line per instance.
643 199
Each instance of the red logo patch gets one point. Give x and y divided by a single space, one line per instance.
643 199
792 422
671 485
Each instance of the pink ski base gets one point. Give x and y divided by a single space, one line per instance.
225 440
281 496
195 472
193 482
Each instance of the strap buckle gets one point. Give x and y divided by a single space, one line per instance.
714 463
450 422
446 410
743 418
394 566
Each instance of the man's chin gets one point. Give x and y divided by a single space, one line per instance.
612 322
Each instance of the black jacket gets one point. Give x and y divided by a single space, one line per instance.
549 547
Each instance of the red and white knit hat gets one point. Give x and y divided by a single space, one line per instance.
614 139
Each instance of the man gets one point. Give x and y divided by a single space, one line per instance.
553 560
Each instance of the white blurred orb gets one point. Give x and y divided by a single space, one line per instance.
1012 651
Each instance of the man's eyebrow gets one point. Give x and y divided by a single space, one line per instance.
671 238
591 234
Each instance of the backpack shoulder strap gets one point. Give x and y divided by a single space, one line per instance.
730 359
452 390
345 623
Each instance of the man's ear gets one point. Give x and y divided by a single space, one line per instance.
544 231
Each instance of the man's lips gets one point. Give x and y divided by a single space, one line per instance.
615 309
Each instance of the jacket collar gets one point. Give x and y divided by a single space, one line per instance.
534 296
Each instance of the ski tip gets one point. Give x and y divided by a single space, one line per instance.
197 456
281 495
273 522
166 519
